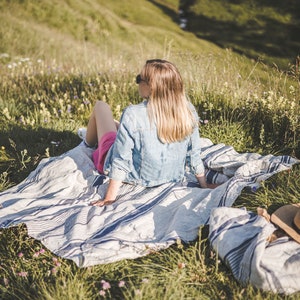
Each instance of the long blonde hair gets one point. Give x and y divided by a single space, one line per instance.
168 106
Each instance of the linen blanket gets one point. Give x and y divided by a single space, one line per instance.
54 200
241 240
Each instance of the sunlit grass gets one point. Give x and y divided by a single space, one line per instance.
43 107
50 80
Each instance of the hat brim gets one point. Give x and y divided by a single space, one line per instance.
283 217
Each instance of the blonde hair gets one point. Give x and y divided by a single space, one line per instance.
168 105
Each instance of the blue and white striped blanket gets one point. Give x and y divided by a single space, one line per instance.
54 200
241 240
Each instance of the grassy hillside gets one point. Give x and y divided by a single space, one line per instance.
108 36
263 29
91 32
58 57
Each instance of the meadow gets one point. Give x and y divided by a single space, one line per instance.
52 71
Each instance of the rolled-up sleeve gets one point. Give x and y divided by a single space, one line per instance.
194 160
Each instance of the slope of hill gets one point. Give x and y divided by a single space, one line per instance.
83 30
90 32
257 28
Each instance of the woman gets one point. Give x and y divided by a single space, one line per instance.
154 140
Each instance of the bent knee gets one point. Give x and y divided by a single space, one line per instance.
101 105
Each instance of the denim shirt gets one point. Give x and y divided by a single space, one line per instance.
139 157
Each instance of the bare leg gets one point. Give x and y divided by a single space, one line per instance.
117 123
101 122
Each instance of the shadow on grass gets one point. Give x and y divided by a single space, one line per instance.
37 142
251 39
258 36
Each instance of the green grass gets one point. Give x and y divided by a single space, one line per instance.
257 28
63 56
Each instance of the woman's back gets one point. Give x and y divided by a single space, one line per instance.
138 156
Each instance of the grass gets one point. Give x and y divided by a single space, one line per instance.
61 58
254 28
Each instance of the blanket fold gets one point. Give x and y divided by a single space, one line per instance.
241 239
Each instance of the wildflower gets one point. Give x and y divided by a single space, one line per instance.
121 283
292 89
22 274
145 280
5 281
181 265
21 120
204 121
55 143
4 55
138 292
42 251
102 293
105 285
6 113
25 59
36 254
53 270
254 189
20 254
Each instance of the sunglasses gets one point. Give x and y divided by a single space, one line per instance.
139 79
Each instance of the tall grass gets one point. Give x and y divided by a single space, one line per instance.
41 108
50 79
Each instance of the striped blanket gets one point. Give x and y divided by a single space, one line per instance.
53 202
241 240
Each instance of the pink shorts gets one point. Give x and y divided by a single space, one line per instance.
104 145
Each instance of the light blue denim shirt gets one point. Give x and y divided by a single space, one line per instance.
139 157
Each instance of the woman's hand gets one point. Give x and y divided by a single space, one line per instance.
212 185
102 202
111 194
202 180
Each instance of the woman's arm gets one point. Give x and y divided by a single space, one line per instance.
111 193
202 180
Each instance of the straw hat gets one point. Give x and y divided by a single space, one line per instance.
287 218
